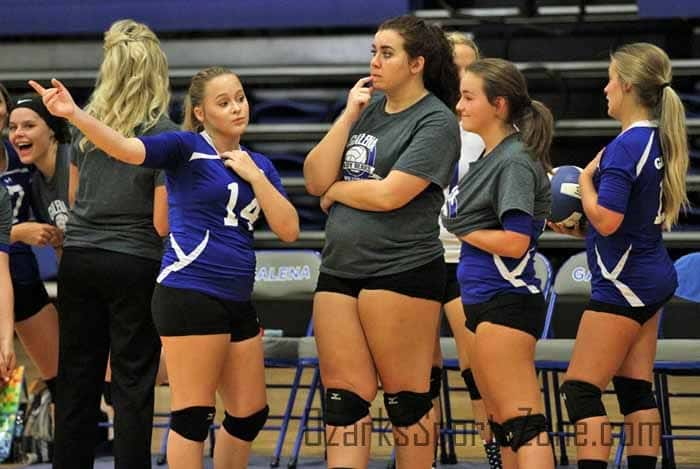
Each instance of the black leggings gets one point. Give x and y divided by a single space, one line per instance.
104 304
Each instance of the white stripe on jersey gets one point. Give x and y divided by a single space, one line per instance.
14 171
512 276
203 156
645 156
183 260
626 291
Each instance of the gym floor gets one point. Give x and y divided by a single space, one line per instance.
468 448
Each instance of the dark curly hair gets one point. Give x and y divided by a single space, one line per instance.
421 39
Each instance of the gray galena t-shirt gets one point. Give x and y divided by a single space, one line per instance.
50 195
113 207
5 218
423 141
508 178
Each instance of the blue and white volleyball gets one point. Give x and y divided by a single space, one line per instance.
566 196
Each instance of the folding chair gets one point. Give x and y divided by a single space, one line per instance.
678 350
543 272
284 275
308 358
570 292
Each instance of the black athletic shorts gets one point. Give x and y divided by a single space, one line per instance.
426 281
522 312
452 291
641 314
180 312
30 298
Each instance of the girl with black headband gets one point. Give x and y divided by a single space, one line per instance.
34 137
44 145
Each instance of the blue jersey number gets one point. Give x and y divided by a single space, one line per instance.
249 213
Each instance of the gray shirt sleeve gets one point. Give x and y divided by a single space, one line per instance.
516 188
436 139
5 219
160 178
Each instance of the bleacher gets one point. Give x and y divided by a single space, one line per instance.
297 74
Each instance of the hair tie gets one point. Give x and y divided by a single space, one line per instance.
664 85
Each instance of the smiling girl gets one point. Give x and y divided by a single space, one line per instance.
499 228
36 318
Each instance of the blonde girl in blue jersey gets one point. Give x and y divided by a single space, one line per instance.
631 191
201 304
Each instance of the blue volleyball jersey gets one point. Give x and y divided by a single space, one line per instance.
631 267
483 275
212 212
17 179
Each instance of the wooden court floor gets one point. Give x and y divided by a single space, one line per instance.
468 448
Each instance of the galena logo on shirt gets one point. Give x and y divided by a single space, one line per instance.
283 273
360 154
59 214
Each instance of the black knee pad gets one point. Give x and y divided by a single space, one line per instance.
582 399
344 407
192 422
245 428
469 382
499 434
406 408
633 394
435 382
520 430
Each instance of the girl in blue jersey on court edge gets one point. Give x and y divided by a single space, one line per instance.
201 306
631 190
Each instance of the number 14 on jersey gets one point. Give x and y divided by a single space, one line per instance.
249 213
